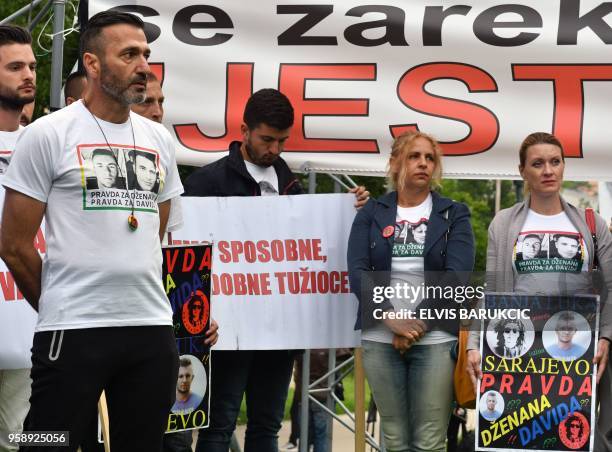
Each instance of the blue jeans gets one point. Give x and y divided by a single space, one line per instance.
264 376
317 427
413 393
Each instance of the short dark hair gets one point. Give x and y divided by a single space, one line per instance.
72 88
565 317
567 236
184 362
102 151
14 34
268 106
98 22
146 155
532 236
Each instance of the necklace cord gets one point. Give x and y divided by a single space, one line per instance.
132 221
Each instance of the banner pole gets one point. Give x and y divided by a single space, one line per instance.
57 53
497 195
103 413
331 403
359 402
305 401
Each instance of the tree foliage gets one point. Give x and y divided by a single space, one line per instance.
479 195
41 41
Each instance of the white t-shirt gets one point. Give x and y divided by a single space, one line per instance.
17 318
407 267
97 272
175 218
266 177
550 256
7 145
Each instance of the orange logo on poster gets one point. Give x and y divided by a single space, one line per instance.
195 313
574 431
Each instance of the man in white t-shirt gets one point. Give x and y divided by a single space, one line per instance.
17 88
103 312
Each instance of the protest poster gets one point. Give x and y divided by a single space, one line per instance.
280 277
538 385
186 277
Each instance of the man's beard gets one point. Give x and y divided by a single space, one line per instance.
13 101
119 90
264 162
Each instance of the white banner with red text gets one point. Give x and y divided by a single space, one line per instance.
17 317
479 75
279 278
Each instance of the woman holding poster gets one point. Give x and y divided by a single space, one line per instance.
407 356
565 249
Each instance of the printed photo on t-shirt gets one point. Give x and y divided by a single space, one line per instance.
549 251
119 177
409 238
5 159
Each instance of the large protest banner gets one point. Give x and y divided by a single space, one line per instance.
538 386
280 277
480 75
186 277
17 317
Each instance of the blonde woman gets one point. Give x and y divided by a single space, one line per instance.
409 363
567 247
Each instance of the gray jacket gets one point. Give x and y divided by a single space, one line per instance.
503 231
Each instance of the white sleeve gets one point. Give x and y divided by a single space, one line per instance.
32 167
175 220
172 186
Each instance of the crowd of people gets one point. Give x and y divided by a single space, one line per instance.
102 311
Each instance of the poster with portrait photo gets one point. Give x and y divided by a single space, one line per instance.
566 335
510 338
491 406
548 397
186 278
119 177
549 252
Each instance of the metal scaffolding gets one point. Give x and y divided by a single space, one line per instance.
58 8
